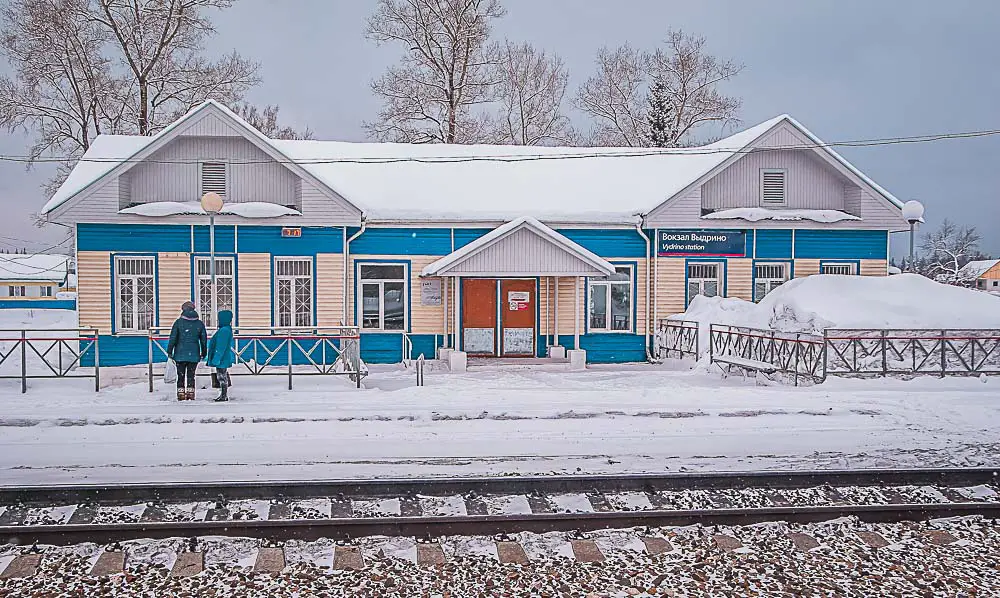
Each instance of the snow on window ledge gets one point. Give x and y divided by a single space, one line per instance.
755 214
249 209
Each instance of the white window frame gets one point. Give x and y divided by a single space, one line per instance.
17 291
608 326
45 291
207 316
201 177
294 301
380 283
120 260
719 279
784 187
770 282
851 267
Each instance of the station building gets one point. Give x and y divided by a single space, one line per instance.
492 250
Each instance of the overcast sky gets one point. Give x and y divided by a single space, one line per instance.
847 69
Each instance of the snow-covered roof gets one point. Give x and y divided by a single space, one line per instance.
755 214
976 268
41 267
494 183
442 265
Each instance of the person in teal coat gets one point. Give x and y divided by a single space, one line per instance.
220 352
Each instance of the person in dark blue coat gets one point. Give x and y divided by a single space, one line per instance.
187 346
220 352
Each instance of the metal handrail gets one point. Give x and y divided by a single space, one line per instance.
678 336
420 370
331 350
407 354
84 339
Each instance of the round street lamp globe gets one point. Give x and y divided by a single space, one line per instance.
211 202
913 211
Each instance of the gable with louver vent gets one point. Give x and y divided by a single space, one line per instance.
772 187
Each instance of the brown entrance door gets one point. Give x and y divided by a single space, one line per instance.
479 316
517 318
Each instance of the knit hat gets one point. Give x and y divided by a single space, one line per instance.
187 306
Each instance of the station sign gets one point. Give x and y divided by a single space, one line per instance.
706 243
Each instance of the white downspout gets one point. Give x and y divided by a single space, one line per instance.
347 264
645 332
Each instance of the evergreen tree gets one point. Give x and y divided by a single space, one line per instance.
659 133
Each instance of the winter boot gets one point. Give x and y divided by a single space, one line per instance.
224 386
190 394
181 393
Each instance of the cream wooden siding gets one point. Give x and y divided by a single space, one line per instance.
93 269
805 268
670 281
254 272
173 285
739 283
329 289
874 268
424 319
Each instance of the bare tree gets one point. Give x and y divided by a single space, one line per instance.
161 46
60 77
948 249
433 93
691 78
266 121
531 89
614 97
86 67
686 77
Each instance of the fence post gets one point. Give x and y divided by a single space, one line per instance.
944 356
97 360
24 366
885 359
798 347
150 366
826 341
711 343
288 340
697 340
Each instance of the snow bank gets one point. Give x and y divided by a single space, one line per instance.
755 214
247 209
815 303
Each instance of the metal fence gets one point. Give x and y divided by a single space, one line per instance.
797 354
50 353
328 351
912 352
676 338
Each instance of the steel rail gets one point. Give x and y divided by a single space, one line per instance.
110 494
480 525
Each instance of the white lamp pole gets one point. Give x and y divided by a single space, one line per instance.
211 202
913 212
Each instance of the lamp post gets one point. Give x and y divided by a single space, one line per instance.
913 212
211 202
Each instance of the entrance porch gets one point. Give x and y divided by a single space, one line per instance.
513 291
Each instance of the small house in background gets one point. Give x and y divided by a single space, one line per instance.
32 277
981 274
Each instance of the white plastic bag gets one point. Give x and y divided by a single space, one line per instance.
170 373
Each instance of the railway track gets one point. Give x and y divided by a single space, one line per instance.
431 508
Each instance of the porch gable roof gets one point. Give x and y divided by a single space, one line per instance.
522 247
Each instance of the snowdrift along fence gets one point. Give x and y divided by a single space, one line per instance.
676 338
328 351
858 352
49 353
968 352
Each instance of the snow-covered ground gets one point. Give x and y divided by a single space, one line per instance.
488 421
497 420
